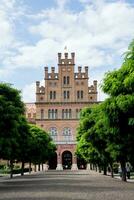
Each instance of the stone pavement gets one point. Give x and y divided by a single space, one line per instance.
65 185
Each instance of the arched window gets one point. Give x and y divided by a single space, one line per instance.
67 135
42 114
53 133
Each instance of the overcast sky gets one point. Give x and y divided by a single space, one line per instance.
32 32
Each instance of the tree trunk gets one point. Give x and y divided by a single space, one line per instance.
112 171
29 167
99 169
11 168
91 167
42 166
39 167
104 170
35 168
22 168
123 169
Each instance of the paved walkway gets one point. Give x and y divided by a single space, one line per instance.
66 185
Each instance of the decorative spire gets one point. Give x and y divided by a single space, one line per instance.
65 49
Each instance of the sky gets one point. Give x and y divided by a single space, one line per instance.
33 32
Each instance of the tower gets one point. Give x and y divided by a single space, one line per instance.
58 106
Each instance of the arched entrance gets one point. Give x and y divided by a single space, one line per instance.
66 160
53 161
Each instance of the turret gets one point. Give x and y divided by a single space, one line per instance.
79 71
95 85
37 86
52 72
66 60
59 58
46 72
73 57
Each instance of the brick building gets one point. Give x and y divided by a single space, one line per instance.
58 105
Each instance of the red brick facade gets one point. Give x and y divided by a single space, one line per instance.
59 102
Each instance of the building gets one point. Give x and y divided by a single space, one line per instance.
58 105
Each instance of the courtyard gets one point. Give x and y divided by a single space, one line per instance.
65 185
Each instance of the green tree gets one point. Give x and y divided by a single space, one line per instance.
11 108
91 137
23 141
41 145
119 110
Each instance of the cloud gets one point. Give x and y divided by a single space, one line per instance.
28 93
98 34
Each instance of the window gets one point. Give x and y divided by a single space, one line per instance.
66 114
78 113
66 94
52 94
64 80
52 114
53 133
42 114
67 134
70 113
68 80
80 94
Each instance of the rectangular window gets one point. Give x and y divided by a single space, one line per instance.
64 94
51 96
78 94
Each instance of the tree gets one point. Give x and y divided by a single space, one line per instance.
91 137
119 110
41 145
23 141
11 108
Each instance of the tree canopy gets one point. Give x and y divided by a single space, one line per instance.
108 128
